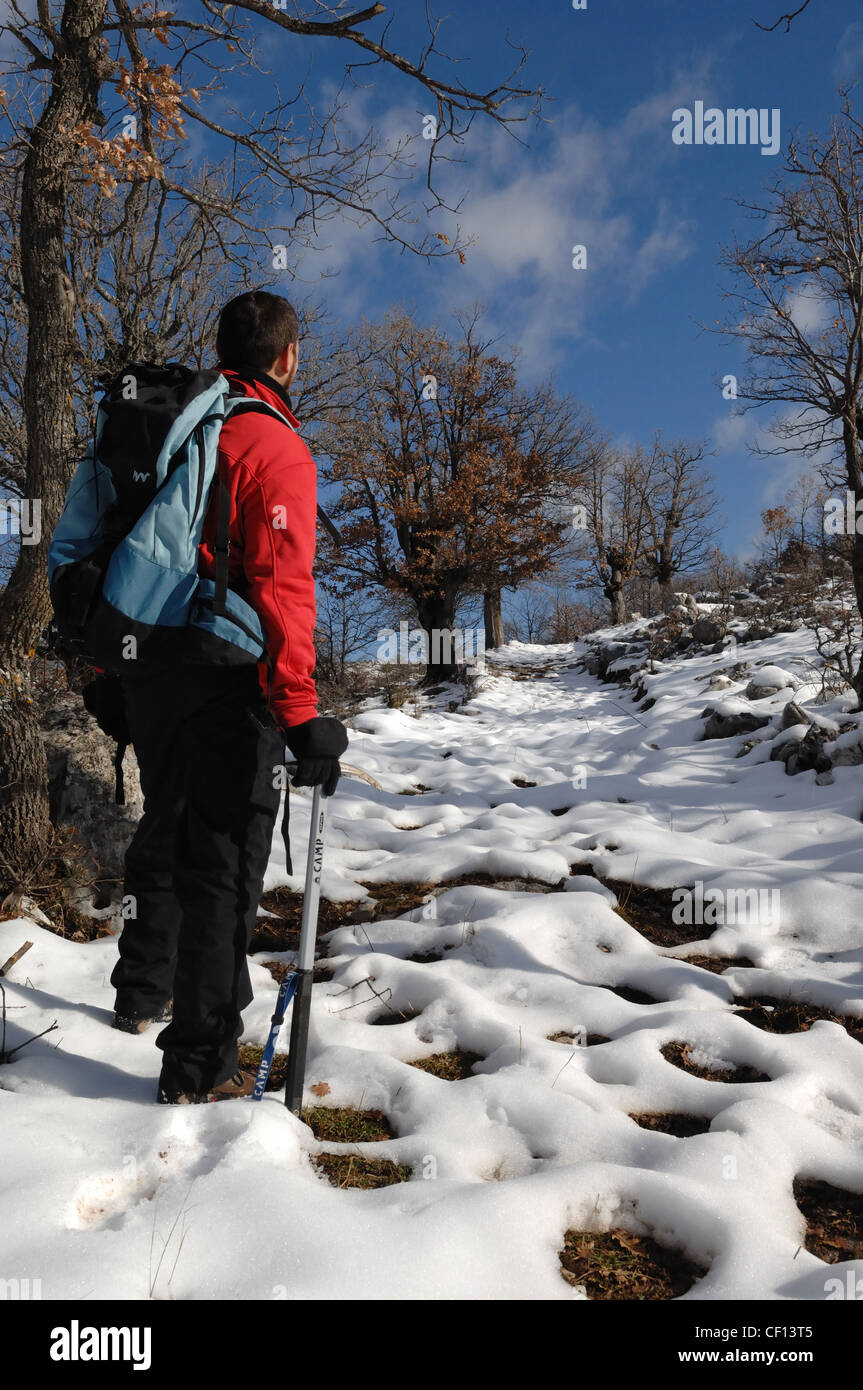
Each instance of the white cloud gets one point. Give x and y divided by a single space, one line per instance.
807 308
524 209
849 53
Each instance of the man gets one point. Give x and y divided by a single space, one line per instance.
210 739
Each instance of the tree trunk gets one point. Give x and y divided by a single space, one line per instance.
618 606
664 574
437 618
492 620
857 575
79 64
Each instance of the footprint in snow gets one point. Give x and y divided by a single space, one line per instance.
104 1201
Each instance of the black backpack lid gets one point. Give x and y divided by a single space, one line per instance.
136 428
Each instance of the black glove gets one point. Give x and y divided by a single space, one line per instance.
317 746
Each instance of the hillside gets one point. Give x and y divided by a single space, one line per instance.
507 904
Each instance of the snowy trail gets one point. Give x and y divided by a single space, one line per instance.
539 1137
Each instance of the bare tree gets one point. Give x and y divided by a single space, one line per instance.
812 247
103 91
805 497
680 509
615 500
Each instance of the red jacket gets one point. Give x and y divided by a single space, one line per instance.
272 481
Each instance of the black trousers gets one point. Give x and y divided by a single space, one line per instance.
208 752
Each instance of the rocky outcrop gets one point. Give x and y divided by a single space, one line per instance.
708 631
81 780
726 723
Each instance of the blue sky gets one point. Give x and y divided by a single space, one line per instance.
624 335
602 170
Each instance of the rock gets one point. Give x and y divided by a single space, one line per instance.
793 714
707 631
81 785
758 632
720 683
781 752
728 723
848 756
769 680
682 603
615 661
808 754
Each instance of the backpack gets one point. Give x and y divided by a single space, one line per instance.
123 559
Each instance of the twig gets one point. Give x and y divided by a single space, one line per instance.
563 1068
7 965
366 935
378 995
7 1056
788 18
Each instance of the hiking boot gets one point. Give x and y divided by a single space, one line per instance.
242 1083
139 1023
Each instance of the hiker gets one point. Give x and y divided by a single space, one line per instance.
209 725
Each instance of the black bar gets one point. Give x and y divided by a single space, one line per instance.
299 1043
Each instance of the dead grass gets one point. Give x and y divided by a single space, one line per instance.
356 1170
775 1015
681 1126
341 1124
282 932
717 965
650 910
278 969
449 1066
834 1220
250 1060
678 1054
617 1265
397 899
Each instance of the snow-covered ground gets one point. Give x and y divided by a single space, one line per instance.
97 1179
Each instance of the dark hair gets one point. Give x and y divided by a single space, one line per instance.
254 329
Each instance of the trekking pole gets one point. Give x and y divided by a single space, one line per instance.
297 986
306 958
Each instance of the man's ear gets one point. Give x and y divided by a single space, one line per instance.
289 357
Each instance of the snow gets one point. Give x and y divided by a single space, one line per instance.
538 1138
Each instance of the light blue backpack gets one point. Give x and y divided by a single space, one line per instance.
123 560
